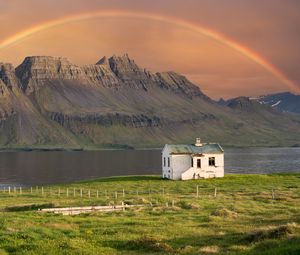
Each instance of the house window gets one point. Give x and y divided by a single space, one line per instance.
192 162
211 161
164 161
198 163
168 162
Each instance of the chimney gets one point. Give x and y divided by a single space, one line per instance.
198 142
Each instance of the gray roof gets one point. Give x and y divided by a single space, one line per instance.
213 148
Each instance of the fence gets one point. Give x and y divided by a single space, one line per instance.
121 194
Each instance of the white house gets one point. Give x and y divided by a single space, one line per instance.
192 161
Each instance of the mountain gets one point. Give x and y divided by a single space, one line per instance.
284 102
48 102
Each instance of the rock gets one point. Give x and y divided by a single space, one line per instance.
8 75
103 61
101 75
107 120
179 84
129 73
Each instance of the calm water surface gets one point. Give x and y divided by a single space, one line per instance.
35 168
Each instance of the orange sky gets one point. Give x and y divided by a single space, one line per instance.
219 70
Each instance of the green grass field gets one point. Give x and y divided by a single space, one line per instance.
245 217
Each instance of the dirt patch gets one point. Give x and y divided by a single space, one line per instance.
210 249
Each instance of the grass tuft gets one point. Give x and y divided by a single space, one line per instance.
225 213
30 207
272 233
147 243
184 205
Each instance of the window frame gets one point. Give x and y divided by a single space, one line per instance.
212 161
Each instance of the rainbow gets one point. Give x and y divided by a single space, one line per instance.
225 40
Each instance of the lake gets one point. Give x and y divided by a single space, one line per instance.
36 168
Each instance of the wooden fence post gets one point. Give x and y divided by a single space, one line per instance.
123 193
273 194
197 191
97 194
80 192
8 189
20 190
215 195
31 190
42 191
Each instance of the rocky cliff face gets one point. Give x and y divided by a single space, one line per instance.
35 71
48 101
115 72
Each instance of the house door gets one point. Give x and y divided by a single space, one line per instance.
198 163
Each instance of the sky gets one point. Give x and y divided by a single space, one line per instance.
256 50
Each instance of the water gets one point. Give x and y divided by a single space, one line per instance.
36 168
262 160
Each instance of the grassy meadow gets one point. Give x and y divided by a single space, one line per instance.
238 214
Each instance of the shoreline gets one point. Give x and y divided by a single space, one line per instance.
57 149
156 177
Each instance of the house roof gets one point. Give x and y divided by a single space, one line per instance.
213 148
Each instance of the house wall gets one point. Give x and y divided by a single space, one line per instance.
205 170
166 170
218 169
180 164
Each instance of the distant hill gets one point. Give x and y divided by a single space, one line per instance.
48 102
284 102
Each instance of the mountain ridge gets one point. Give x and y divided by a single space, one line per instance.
282 101
48 101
